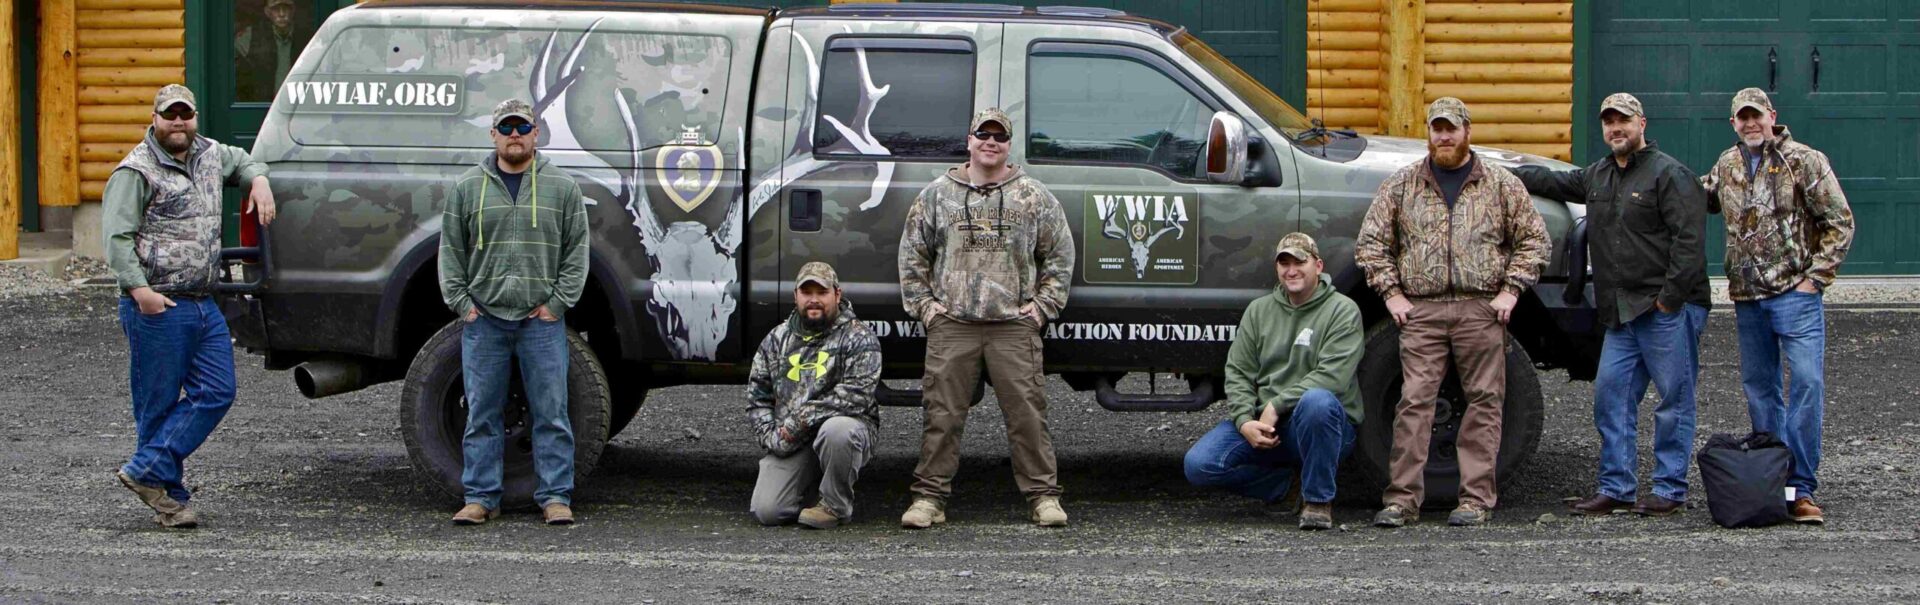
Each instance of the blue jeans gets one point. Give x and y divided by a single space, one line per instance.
487 347
1314 438
183 348
1662 349
1795 325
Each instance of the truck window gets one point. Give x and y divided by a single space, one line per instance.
1109 104
924 112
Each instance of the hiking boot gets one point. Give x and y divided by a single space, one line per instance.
1395 515
1317 516
1469 514
154 497
819 516
1291 503
474 514
1655 506
1600 505
184 518
1047 512
1805 511
925 513
555 513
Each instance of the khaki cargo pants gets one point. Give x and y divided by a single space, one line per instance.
1470 331
1010 352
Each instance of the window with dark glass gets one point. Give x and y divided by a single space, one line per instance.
1113 108
922 114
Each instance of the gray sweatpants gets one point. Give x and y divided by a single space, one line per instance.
822 472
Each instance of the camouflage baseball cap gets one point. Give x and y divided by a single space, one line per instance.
1449 109
274 3
1297 245
172 94
1751 97
819 273
991 114
512 108
1624 103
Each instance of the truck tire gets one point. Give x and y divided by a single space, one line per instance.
433 417
1380 379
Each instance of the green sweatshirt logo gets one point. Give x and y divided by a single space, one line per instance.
818 366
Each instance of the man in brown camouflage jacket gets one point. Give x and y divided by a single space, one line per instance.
1788 229
810 402
1450 243
985 262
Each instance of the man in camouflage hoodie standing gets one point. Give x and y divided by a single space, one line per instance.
985 262
810 400
1450 243
162 229
1788 230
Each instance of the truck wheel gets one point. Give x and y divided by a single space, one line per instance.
433 417
1380 381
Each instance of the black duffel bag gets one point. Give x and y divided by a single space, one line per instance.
1746 479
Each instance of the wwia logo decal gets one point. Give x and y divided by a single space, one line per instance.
1144 238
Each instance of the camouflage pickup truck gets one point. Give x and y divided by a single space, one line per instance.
721 148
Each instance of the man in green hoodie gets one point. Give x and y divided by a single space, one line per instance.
513 259
1292 400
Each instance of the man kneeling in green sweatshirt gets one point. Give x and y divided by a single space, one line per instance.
1291 393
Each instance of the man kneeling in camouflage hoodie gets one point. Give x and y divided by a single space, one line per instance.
811 403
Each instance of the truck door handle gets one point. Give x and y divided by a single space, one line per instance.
1773 70
1816 69
803 210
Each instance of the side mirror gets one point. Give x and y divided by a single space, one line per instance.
1227 149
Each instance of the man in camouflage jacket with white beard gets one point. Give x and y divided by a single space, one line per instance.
985 262
1788 230
161 220
810 401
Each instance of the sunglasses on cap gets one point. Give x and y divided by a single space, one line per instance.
509 129
175 114
997 137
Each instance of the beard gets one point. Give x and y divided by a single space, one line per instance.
1627 146
812 325
177 141
1446 158
517 154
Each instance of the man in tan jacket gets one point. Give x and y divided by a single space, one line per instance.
1450 243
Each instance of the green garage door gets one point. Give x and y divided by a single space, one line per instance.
1844 75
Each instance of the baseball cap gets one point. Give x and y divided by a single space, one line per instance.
991 114
512 108
1297 245
819 273
1449 109
172 94
1751 97
1624 103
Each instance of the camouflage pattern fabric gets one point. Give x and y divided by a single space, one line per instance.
1492 240
799 380
178 243
983 252
1787 222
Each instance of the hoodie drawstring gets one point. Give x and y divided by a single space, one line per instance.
482 220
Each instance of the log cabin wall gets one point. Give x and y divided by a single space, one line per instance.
1510 60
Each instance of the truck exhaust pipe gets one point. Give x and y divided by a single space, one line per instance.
328 377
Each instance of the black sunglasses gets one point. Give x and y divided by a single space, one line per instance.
997 137
509 129
175 114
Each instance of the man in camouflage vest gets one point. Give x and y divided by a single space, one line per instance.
1788 230
810 401
1450 242
985 262
162 227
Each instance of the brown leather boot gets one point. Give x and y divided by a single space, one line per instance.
819 516
1655 506
1805 511
1317 516
474 514
555 513
1600 505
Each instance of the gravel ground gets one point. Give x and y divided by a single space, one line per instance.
313 502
